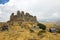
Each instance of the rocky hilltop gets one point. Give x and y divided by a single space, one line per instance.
22 19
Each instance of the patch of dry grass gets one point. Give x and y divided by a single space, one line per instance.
18 33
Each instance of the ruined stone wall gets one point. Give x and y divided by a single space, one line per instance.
23 17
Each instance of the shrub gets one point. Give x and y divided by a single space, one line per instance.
31 30
58 28
41 26
4 27
41 32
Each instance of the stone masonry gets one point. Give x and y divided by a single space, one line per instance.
23 17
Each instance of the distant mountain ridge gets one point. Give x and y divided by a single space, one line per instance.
49 20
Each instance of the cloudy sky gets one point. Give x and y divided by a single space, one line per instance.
43 9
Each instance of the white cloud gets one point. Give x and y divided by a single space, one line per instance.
55 15
43 9
0 12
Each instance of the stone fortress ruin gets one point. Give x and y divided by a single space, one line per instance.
22 17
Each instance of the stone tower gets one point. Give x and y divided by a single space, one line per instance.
12 17
18 13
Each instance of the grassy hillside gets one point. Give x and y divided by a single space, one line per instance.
24 32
